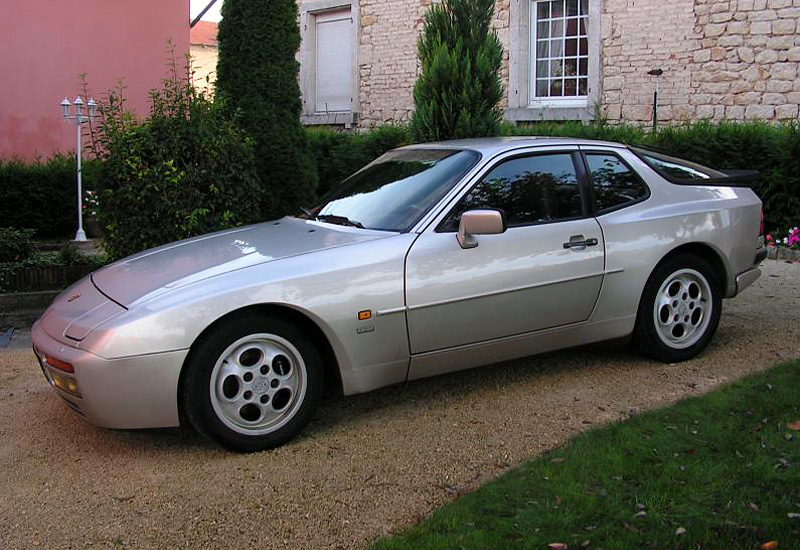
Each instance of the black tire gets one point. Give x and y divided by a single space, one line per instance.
286 381
672 331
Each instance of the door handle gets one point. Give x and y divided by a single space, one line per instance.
578 242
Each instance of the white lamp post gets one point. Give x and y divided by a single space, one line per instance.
78 117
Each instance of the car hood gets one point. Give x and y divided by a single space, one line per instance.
152 272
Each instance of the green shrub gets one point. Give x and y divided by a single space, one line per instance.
41 195
340 154
15 244
186 170
257 76
457 93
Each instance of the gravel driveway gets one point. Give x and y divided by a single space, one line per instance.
366 466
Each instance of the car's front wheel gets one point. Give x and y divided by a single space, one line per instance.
253 383
680 309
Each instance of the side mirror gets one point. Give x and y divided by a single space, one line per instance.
479 222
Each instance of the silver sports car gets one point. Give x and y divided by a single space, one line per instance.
433 258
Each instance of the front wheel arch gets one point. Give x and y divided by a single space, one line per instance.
333 379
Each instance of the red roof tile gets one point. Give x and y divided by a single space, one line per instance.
204 33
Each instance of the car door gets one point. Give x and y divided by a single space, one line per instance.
544 271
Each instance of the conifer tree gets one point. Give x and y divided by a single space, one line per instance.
257 79
457 94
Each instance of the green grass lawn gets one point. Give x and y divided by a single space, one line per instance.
718 471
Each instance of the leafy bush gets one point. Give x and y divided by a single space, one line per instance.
41 195
15 244
457 93
340 154
773 150
257 76
186 170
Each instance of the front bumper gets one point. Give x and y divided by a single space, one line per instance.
123 393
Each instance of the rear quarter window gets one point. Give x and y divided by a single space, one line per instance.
673 168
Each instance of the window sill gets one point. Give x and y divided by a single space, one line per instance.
534 114
346 118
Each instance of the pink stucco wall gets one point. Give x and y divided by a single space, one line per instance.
45 45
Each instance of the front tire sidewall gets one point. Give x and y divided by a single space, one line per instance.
646 336
197 399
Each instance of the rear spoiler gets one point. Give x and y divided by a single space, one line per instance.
717 178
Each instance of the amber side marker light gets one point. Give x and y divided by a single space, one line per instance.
65 383
60 365
364 315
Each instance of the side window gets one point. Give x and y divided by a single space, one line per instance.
528 190
614 183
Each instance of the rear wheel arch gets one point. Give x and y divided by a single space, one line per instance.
693 267
332 374
709 254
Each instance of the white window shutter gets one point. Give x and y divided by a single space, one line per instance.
334 58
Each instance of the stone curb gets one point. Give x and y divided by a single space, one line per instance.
782 253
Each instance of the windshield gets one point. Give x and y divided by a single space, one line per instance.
396 190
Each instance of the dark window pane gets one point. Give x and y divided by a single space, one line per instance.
542 49
571 67
557 28
557 48
570 86
582 28
557 67
541 69
542 30
584 46
584 7
556 88
527 190
571 46
614 183
557 8
572 7
541 88
543 10
572 27
583 86
584 67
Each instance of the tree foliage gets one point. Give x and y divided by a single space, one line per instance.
257 77
185 170
457 94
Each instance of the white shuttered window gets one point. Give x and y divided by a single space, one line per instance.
334 61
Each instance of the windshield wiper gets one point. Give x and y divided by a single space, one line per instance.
339 220
307 212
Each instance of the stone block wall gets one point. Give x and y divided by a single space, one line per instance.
746 66
387 59
640 35
732 59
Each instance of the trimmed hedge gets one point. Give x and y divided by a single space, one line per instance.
43 195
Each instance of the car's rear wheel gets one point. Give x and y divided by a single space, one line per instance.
253 383
679 310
